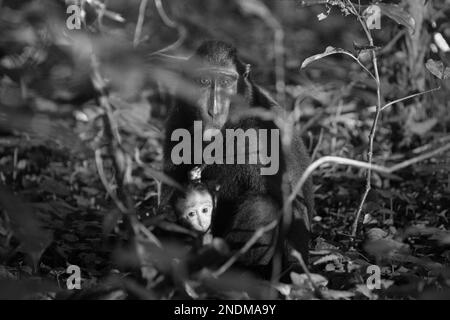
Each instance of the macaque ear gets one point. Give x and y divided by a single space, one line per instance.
248 67
243 68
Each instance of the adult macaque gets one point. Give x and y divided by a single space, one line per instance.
246 200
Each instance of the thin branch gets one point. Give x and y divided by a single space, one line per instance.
307 61
264 13
299 257
258 234
330 159
375 121
104 180
140 22
387 48
119 156
164 17
425 156
278 45
361 64
428 146
319 142
15 160
149 235
360 164
182 32
279 64
286 125
157 175
409 97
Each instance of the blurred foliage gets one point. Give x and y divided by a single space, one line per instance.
54 210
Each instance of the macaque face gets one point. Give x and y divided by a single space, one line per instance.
195 210
215 88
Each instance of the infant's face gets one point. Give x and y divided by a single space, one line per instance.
196 210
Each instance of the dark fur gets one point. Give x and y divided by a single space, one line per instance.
246 200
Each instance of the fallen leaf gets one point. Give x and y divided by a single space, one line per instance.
302 280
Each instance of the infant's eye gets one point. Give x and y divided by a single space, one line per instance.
191 214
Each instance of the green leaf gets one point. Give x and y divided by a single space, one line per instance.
55 187
399 15
421 128
328 258
34 238
438 69
328 51
332 50
337 294
302 280
254 7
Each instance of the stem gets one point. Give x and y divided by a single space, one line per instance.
104 180
299 257
258 234
182 32
409 97
286 213
375 121
140 22
279 63
360 164
115 151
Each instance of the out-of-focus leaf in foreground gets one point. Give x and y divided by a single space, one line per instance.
26 226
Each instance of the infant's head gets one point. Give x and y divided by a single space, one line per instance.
194 206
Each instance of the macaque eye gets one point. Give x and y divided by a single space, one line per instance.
205 210
226 82
191 214
204 82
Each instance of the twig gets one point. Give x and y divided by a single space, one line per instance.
299 257
259 9
430 145
319 142
258 234
104 180
311 122
409 97
375 121
164 17
121 162
286 125
140 22
280 84
150 236
15 156
391 43
360 164
182 32
425 156
309 3
157 175
330 159
119 156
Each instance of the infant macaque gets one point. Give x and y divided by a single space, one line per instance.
194 207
